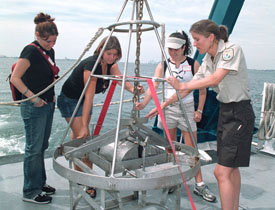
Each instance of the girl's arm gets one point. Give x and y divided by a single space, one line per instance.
211 80
87 105
21 67
16 79
128 86
148 95
202 98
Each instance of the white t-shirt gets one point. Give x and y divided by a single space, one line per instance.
184 74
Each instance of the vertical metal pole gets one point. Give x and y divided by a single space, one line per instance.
122 94
144 153
162 57
162 60
89 79
170 71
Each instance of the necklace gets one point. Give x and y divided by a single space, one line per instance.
103 67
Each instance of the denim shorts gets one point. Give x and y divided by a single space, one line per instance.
67 106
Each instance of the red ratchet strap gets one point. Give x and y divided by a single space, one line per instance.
155 97
54 68
105 108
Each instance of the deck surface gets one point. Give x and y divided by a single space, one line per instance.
257 190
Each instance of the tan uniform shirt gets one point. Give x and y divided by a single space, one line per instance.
234 87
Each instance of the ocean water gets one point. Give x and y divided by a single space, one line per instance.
12 140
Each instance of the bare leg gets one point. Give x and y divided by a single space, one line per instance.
229 181
236 180
200 188
76 127
173 135
188 141
75 130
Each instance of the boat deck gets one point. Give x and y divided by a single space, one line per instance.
257 190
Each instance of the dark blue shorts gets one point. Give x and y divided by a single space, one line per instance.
67 106
234 134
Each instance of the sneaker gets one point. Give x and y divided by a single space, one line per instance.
205 193
41 198
48 189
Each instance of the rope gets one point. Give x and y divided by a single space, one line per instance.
100 104
86 49
124 101
266 130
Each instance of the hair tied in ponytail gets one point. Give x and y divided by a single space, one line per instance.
179 31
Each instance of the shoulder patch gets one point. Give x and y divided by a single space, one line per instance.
228 54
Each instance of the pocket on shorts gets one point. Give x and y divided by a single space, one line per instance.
244 126
228 155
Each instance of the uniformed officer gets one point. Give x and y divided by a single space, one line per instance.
224 69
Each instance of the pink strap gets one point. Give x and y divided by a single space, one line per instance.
105 108
155 97
54 68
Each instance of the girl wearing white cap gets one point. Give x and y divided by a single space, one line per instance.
183 68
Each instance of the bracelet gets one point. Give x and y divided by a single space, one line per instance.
36 101
25 91
199 111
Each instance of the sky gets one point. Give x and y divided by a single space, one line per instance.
78 21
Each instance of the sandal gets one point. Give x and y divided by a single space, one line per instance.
171 189
91 191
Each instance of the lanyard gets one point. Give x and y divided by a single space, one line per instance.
105 108
54 68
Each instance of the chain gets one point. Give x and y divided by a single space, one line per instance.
137 62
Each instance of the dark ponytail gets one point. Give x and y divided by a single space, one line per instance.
207 27
224 33
182 35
